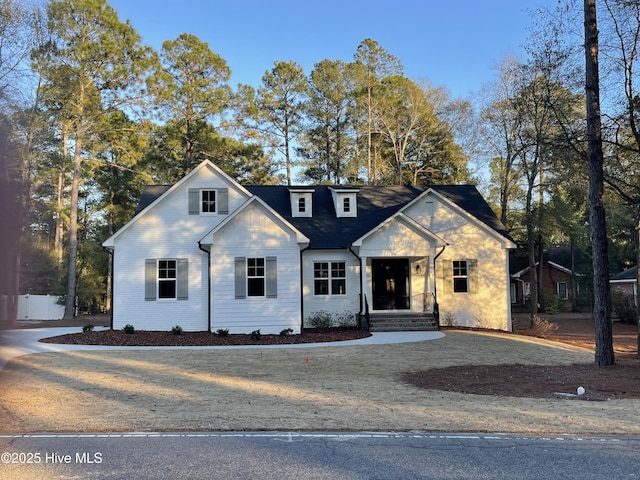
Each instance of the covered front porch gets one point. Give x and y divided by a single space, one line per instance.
398 277
399 294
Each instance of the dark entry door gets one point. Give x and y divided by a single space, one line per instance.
390 284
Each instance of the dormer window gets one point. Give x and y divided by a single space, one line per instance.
301 202
344 201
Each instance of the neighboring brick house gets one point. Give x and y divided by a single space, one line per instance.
557 277
626 283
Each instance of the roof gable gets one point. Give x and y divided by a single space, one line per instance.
209 238
324 229
153 195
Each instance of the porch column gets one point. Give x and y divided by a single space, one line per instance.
363 284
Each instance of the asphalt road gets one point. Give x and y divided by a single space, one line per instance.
325 456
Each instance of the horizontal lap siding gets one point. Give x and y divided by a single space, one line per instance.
334 304
166 231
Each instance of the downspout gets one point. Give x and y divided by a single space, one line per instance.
362 295
436 308
111 259
208 252
302 287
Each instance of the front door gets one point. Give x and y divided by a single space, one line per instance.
390 284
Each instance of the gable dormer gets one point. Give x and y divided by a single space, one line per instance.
345 201
301 202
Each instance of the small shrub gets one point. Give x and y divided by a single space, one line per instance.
177 330
449 319
222 332
346 319
541 327
286 332
129 329
256 335
87 328
320 319
551 304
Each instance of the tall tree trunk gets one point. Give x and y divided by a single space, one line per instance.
601 289
635 294
59 233
69 307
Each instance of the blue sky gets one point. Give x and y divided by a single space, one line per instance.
454 44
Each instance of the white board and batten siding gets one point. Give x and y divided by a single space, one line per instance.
334 304
255 233
165 230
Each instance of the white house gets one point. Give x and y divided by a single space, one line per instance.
208 253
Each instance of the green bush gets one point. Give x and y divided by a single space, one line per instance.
87 328
222 332
286 332
346 319
129 329
177 330
320 319
256 335
551 304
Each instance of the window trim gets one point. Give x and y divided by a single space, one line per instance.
472 276
196 201
204 202
270 278
170 266
329 279
263 277
460 276
152 279
566 290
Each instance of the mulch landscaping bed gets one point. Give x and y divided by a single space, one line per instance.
618 381
119 338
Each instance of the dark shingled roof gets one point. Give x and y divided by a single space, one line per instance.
374 203
149 195
629 274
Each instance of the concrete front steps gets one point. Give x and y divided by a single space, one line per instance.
402 322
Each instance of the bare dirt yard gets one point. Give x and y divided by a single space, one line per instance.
466 381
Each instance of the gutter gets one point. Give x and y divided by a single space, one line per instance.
436 308
110 251
362 294
208 252
302 287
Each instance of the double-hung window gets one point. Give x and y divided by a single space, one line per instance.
208 204
460 276
208 201
563 291
329 278
255 277
166 279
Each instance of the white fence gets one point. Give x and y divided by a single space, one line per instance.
39 307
